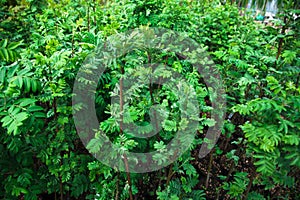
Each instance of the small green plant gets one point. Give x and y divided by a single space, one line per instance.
44 43
237 187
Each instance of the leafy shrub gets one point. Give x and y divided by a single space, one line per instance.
44 43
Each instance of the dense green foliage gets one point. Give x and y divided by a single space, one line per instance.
44 43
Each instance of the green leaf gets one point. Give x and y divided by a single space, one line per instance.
6 120
27 82
26 101
14 45
169 125
12 128
35 108
94 145
190 169
4 54
289 56
208 122
21 116
2 74
3 43
39 115
34 85
159 145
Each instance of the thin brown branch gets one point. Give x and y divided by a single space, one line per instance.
280 43
209 168
121 131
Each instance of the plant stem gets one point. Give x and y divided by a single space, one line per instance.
121 131
231 169
128 177
89 18
280 43
209 168
218 193
170 174
159 175
61 188
121 105
296 84
54 108
152 98
249 185
94 10
117 186
73 33
226 143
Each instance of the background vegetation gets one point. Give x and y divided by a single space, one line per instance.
43 44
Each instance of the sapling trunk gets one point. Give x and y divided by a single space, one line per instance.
61 188
73 33
231 169
128 177
89 18
94 10
211 158
252 176
232 164
117 186
297 84
170 174
152 99
280 43
121 131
